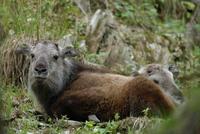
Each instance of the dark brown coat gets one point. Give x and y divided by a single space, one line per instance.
62 87
107 94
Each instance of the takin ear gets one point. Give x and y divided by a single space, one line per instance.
23 49
69 52
174 70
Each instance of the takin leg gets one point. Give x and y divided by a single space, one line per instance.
145 94
79 105
93 118
93 103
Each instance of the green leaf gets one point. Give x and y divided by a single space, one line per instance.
188 5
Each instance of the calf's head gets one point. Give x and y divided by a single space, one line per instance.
164 78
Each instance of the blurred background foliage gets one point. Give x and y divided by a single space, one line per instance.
51 18
55 18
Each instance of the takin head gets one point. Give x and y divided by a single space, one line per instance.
164 78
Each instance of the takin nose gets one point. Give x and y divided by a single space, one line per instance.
41 68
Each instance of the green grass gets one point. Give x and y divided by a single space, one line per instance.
43 18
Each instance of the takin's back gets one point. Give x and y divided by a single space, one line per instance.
107 94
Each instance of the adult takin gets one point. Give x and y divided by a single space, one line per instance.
65 87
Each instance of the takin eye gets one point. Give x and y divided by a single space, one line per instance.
149 71
55 57
156 81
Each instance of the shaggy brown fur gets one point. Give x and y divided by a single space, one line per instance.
106 94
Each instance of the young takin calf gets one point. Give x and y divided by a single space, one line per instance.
164 77
64 87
